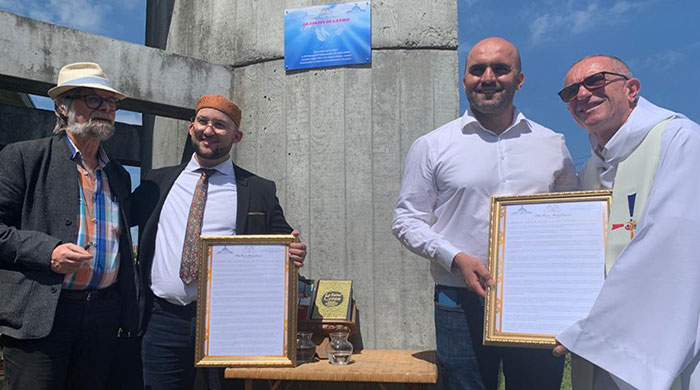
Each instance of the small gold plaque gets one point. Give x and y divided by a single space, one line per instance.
333 298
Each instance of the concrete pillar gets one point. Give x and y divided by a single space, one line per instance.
334 140
157 82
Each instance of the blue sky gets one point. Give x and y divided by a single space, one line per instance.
659 39
124 20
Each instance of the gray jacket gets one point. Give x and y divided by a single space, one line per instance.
39 202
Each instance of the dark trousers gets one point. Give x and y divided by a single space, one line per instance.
465 363
76 354
167 350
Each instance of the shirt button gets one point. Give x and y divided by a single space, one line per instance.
53 289
68 222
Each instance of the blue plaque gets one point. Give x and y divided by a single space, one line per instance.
327 35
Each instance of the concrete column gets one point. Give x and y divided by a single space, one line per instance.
334 140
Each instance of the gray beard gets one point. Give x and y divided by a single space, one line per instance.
98 129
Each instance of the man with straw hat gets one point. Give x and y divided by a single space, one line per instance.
68 281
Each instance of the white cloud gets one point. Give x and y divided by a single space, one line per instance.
584 19
659 62
80 14
14 6
89 15
469 3
540 26
9 4
621 7
576 17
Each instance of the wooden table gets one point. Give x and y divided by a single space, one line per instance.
414 368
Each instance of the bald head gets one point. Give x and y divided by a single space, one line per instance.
491 44
491 78
617 64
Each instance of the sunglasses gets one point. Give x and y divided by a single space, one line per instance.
592 82
95 101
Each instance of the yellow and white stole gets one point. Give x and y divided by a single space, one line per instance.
633 181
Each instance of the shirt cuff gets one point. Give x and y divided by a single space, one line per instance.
446 254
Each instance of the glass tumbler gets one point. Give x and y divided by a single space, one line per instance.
305 347
339 348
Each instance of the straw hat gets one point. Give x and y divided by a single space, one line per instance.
83 75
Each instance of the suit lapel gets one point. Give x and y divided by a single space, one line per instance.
164 187
116 185
63 177
243 198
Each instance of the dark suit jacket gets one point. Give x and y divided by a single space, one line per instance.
258 209
38 211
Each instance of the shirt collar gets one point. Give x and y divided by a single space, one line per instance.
76 155
225 168
642 119
468 119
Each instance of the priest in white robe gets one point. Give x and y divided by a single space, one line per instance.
643 330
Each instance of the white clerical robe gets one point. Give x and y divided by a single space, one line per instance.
644 328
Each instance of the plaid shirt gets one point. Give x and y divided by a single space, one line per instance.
98 222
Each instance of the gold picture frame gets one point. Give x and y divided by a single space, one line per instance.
509 319
223 287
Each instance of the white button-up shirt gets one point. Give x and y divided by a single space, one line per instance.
451 173
219 219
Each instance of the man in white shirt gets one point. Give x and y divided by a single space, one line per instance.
234 201
443 214
642 331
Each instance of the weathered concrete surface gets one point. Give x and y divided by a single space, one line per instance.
157 82
21 124
334 141
248 31
169 140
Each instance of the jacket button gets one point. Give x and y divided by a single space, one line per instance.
53 290
68 222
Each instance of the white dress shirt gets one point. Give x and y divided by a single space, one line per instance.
219 219
450 175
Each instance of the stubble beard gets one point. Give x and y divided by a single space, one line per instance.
497 104
215 154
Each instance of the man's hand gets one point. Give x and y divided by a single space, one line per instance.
69 258
559 350
297 250
475 274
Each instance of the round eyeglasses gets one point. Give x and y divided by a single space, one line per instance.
95 101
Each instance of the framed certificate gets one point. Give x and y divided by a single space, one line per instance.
246 302
547 257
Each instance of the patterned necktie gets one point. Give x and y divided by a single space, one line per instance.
189 263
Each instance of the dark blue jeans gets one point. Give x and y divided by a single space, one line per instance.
167 349
465 363
77 353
